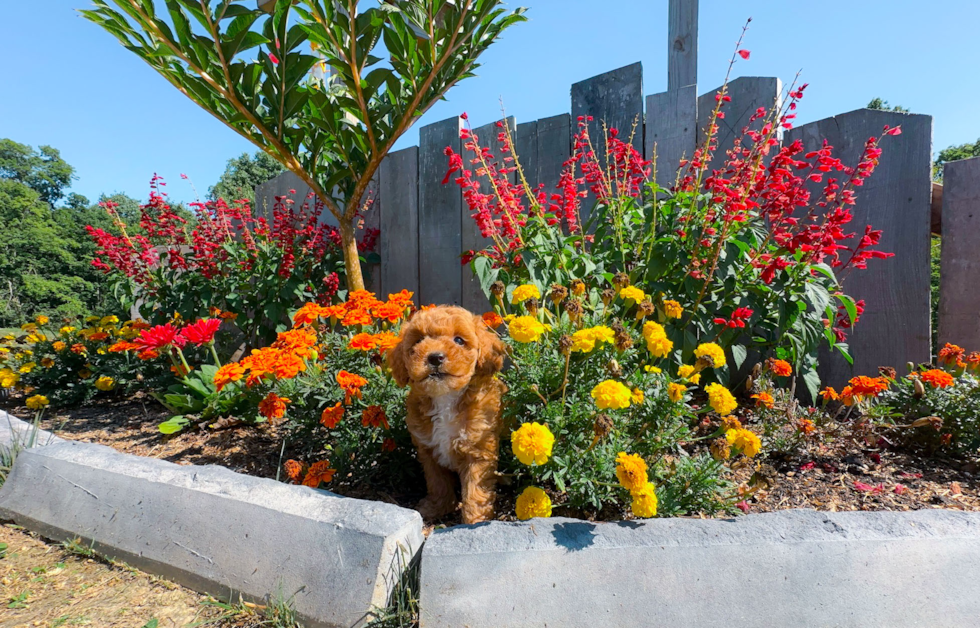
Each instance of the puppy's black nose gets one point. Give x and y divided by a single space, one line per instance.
436 359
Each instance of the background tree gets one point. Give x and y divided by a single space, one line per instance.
242 175
253 71
42 170
878 103
953 153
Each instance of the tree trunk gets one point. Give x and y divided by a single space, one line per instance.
352 261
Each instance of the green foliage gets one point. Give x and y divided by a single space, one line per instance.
882 105
44 171
255 73
242 175
954 153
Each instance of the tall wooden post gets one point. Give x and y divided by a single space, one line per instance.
682 44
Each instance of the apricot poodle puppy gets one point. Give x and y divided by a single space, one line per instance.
450 358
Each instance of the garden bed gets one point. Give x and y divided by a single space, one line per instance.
830 474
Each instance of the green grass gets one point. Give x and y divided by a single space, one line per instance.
279 613
403 608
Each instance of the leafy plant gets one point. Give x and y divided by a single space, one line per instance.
252 71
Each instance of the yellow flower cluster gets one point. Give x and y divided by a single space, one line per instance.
676 392
532 443
37 402
745 441
105 383
632 293
686 371
526 329
533 502
720 399
585 340
525 292
657 342
673 309
611 394
637 396
712 353
8 379
631 471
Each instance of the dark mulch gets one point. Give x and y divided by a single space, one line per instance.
837 474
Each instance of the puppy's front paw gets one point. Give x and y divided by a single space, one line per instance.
434 508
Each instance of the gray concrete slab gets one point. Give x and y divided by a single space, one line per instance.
792 568
15 432
217 531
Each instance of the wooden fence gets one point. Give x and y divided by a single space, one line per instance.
425 225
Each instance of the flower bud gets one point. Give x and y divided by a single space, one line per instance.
497 289
644 309
910 366
574 309
614 369
607 296
919 390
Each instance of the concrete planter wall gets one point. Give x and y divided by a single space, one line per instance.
224 533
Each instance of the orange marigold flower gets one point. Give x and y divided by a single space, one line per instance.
231 372
403 298
334 312
318 472
120 347
351 384
829 394
974 360
99 335
374 416
780 368
864 386
492 319
937 378
952 354
391 312
179 370
78 348
60 346
273 406
388 444
362 342
148 354
357 316
764 399
295 341
228 316
294 470
806 426
307 314
363 298
272 361
848 398
385 341
331 416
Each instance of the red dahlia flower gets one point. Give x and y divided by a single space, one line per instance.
202 332
159 337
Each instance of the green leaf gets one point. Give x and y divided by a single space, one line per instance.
173 425
739 353
850 307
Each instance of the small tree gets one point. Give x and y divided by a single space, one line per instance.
333 134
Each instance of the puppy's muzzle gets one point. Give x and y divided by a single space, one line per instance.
435 361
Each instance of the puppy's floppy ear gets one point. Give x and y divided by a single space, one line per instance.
397 357
492 350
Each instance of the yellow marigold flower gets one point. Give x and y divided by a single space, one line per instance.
730 423
29 327
652 369
37 402
36 337
58 346
637 396
711 351
525 329
611 394
745 441
41 319
525 292
657 342
27 367
601 333
686 371
676 392
105 383
631 471
578 287
91 320
47 363
4 350
533 502
8 379
644 501
632 293
67 330
583 341
673 309
109 320
532 443
720 399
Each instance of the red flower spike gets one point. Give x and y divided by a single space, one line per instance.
744 54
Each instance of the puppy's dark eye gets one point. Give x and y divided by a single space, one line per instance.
458 340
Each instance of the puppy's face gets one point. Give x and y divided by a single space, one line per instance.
441 349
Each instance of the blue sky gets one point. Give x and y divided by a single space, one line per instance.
66 83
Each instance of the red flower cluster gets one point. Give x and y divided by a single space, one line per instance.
737 320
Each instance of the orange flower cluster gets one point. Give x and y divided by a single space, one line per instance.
273 406
492 319
311 475
937 378
780 368
351 384
952 355
368 342
858 389
227 374
332 415
374 416
360 309
764 399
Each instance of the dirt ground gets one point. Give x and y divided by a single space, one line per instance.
42 584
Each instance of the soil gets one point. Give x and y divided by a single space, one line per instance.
830 474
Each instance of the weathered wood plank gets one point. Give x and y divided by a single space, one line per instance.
553 150
671 130
473 298
895 327
266 193
440 216
526 146
399 243
748 93
959 299
682 44
613 99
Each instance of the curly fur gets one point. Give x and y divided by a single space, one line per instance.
453 407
